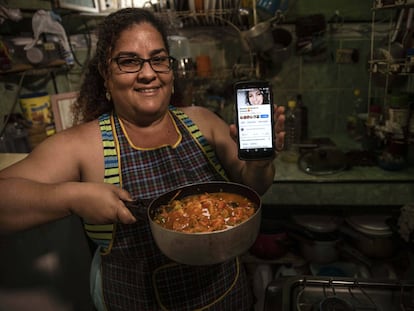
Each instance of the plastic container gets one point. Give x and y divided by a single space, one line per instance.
356 120
36 107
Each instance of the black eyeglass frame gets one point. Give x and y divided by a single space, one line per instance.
171 61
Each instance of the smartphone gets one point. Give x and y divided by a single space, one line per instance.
254 120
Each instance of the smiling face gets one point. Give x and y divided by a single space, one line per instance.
145 93
255 97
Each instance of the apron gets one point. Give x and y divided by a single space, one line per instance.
135 274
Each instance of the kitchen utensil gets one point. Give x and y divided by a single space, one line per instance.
184 68
211 247
371 235
179 46
282 45
319 243
203 65
322 161
259 38
406 39
320 252
318 223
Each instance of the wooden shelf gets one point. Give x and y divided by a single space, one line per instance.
34 70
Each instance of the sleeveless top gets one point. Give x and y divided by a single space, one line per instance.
135 274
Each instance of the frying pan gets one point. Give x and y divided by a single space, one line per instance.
210 247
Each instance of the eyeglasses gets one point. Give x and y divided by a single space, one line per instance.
131 64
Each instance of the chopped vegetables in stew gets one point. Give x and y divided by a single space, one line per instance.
205 212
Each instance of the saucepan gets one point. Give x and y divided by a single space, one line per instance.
371 235
319 240
205 248
259 38
282 45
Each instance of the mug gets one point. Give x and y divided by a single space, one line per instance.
203 66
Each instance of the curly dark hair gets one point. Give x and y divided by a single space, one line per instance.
92 102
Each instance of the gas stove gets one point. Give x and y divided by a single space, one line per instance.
314 293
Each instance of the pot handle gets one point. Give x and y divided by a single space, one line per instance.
138 208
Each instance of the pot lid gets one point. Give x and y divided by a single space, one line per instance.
323 161
374 225
318 223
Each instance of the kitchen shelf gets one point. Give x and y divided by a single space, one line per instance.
379 5
397 67
224 17
385 70
33 70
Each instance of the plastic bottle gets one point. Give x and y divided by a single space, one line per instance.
303 112
355 119
292 126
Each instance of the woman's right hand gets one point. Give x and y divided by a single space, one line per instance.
98 203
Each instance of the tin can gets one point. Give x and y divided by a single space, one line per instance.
36 109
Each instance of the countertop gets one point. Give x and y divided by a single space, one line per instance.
7 159
356 186
359 185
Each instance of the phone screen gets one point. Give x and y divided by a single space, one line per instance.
254 111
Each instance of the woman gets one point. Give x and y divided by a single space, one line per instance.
133 145
256 97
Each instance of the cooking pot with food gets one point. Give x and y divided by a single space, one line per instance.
206 248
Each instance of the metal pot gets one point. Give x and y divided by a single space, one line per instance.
320 252
282 45
211 247
371 235
323 161
259 38
317 236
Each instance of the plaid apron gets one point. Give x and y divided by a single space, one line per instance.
135 274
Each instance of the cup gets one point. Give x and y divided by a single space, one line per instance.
199 5
203 66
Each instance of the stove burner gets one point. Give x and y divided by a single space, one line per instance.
334 303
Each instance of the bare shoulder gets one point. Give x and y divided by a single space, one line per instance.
207 121
78 139
197 111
